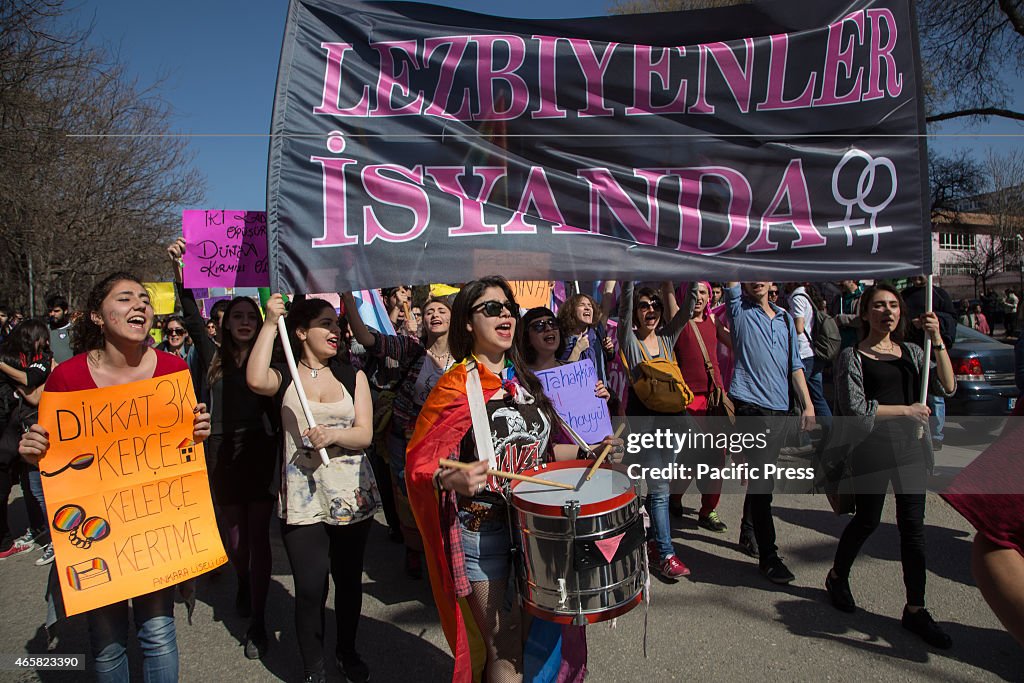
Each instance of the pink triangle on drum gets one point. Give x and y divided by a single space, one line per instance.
609 546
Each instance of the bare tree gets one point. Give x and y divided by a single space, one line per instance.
968 47
997 217
91 181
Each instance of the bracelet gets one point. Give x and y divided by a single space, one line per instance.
938 347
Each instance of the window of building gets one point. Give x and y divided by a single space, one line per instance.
957 241
956 269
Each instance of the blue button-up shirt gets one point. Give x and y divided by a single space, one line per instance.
765 352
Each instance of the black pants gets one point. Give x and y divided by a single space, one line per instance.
875 463
382 472
8 477
314 550
757 505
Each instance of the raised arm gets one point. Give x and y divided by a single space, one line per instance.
191 316
360 331
668 296
677 321
607 298
260 377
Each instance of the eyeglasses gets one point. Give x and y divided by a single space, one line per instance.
492 309
545 324
653 305
175 333
773 294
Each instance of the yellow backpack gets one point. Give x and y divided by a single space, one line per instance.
658 382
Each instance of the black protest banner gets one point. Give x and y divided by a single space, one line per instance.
413 143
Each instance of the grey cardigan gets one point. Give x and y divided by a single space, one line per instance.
857 413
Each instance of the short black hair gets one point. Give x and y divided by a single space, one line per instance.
57 301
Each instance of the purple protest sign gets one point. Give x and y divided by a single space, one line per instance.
571 390
225 248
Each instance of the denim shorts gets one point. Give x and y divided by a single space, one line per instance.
488 552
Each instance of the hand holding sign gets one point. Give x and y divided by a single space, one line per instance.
34 444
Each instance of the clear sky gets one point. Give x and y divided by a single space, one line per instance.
219 60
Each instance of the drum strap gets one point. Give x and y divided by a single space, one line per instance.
478 411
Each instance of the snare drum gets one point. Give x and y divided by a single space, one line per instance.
582 551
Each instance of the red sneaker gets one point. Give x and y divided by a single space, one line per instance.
673 568
15 549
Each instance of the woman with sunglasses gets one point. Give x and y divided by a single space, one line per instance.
642 337
326 511
241 454
419 363
111 343
462 514
541 344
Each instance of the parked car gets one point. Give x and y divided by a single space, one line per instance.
984 375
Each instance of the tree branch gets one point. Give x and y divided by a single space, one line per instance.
1013 14
981 111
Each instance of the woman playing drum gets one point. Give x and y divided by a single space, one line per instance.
467 537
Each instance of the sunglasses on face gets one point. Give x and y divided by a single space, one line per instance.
654 305
544 325
492 309
175 333
773 294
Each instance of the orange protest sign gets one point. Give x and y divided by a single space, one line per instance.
532 293
126 490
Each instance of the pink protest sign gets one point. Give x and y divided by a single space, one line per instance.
225 248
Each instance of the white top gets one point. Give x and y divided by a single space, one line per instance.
345 492
800 306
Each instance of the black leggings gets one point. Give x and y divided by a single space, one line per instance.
313 551
876 463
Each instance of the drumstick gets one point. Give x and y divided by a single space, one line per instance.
458 465
604 453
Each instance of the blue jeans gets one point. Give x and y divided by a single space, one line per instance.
812 375
938 418
154 618
660 531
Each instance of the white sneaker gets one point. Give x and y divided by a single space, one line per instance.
47 557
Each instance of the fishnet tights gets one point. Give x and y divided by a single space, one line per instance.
501 630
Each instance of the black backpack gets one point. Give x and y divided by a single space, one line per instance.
826 340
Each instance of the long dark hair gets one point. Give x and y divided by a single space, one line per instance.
302 313
899 333
19 348
86 335
567 320
230 352
460 339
